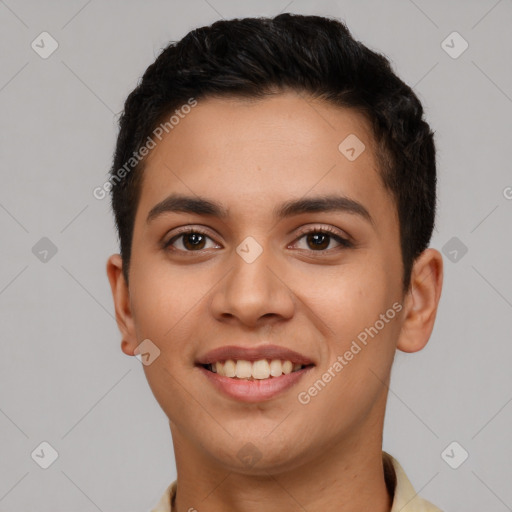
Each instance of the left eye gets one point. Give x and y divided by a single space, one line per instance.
319 239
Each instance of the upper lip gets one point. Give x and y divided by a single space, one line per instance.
253 354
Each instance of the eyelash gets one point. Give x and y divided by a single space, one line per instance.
344 243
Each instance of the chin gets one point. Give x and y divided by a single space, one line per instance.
259 456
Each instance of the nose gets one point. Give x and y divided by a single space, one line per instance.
254 293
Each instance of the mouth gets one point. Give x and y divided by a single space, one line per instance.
261 369
254 374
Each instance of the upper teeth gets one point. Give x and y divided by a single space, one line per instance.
261 369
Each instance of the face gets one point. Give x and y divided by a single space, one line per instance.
321 279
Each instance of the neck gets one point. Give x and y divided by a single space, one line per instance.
346 476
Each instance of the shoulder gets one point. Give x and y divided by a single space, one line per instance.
405 499
167 500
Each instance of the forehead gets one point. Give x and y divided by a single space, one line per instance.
247 153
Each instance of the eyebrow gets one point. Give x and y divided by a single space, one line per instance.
202 206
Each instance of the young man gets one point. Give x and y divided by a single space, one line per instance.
274 190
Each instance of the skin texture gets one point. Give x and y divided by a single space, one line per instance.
251 156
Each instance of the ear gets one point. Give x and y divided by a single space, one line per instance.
421 301
121 296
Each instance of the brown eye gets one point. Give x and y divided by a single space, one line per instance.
318 240
191 240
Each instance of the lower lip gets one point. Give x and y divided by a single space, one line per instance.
254 390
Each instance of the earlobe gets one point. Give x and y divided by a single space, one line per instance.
421 301
121 296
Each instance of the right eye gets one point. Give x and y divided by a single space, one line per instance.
192 240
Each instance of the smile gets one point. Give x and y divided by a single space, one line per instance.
253 370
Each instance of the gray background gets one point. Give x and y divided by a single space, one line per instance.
63 377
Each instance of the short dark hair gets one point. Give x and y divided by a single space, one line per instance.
257 57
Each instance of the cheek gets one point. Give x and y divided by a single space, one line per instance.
164 311
360 354
159 302
357 306
352 297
